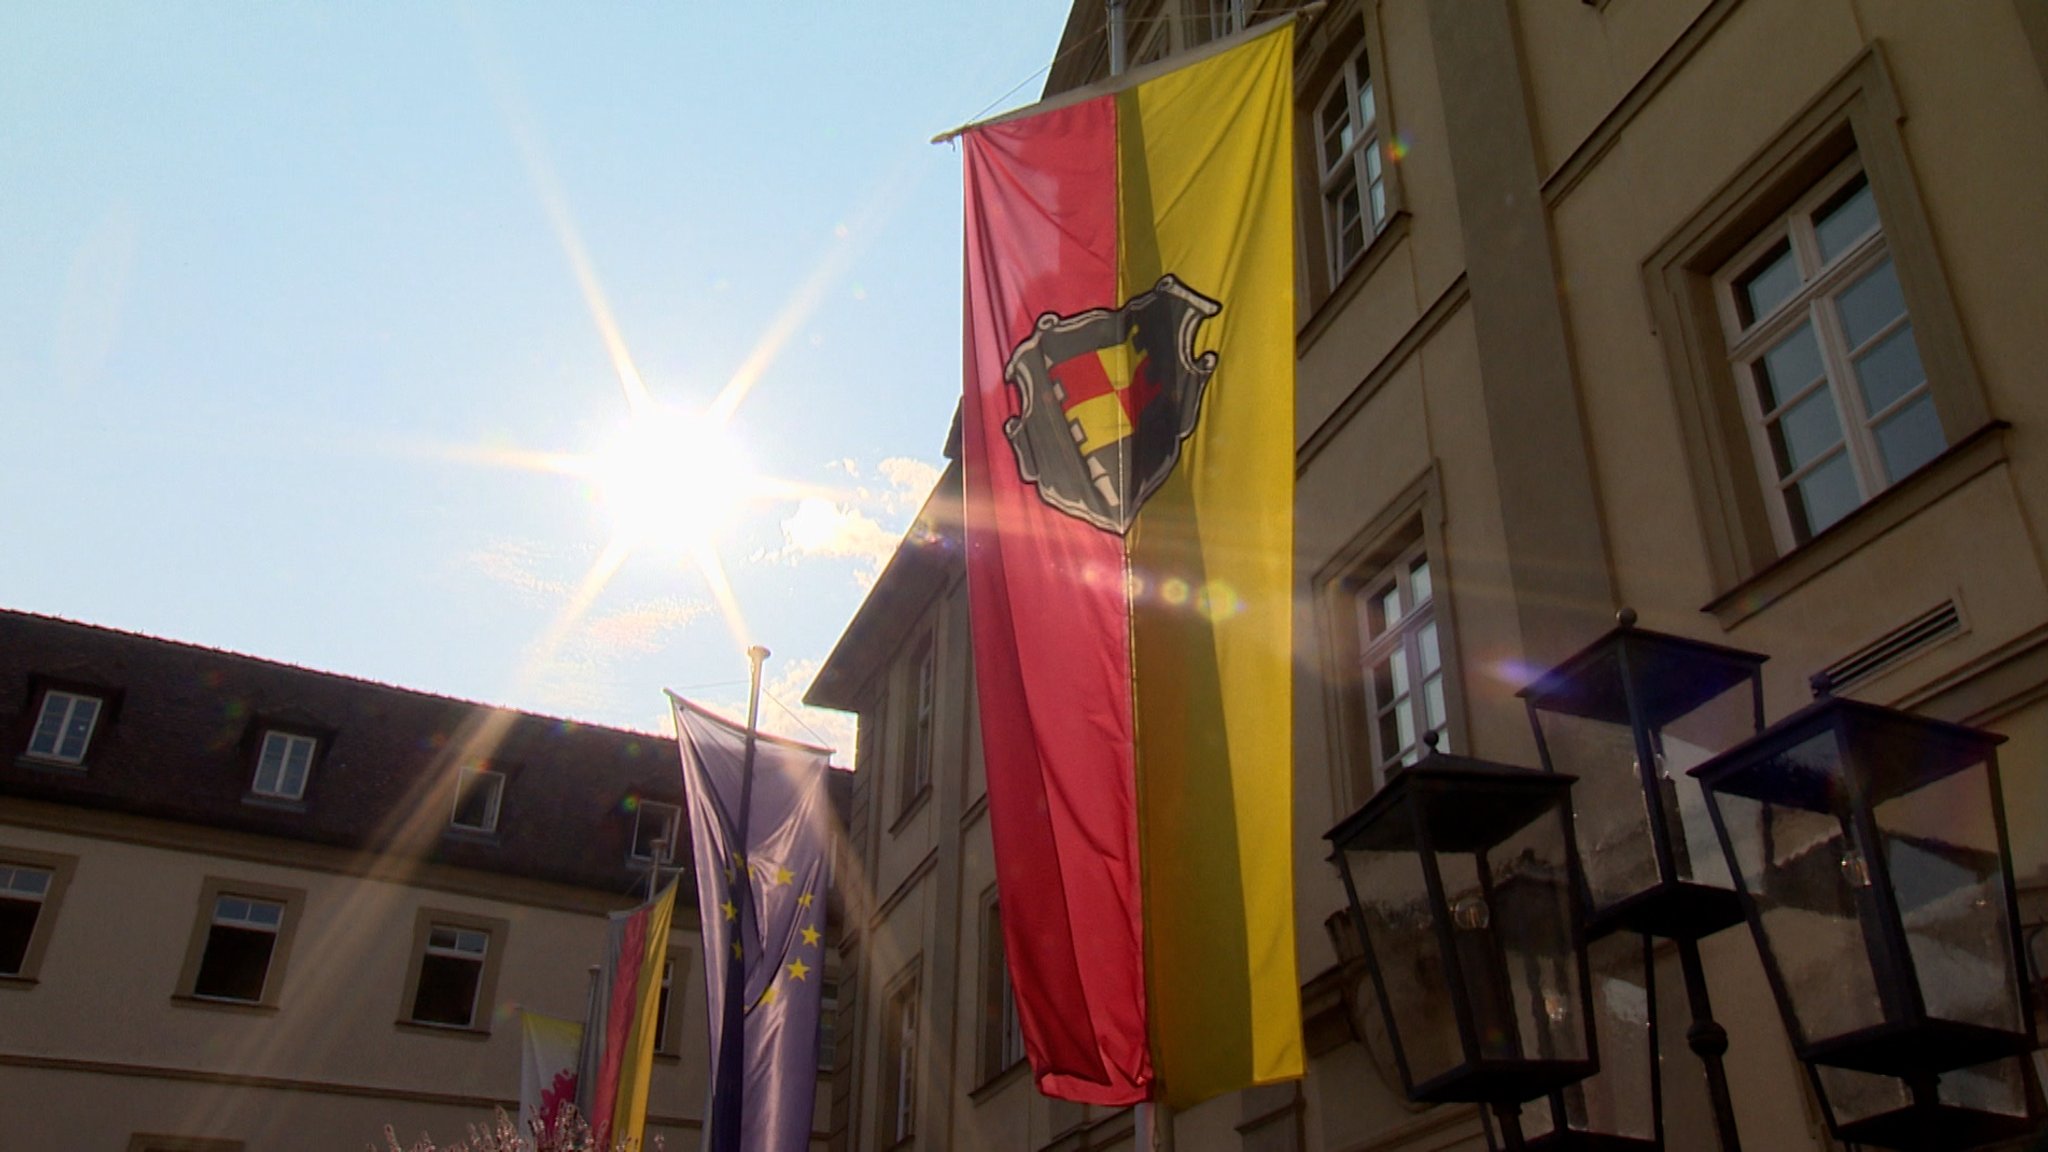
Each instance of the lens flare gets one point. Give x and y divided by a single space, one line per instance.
671 479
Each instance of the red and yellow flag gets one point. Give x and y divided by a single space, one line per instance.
1129 453
618 1043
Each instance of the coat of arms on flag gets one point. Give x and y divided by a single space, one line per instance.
1105 399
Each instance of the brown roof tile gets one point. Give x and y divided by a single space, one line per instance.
184 724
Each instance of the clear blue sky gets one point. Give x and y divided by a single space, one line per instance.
290 305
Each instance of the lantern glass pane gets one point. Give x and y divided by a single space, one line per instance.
1510 911
1612 800
1684 744
1613 824
1941 850
1857 1096
1617 1100
1401 932
1998 1088
1482 970
1806 878
1530 894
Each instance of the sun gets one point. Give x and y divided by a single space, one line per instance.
671 480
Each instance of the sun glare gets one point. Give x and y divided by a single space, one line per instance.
671 480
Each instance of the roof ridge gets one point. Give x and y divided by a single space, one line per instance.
288 666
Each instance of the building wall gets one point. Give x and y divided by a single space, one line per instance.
1519 377
101 1039
102 1045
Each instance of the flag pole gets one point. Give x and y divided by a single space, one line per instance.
654 866
1117 51
590 1009
729 1085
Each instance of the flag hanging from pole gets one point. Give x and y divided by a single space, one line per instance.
618 1049
1129 453
547 1071
759 828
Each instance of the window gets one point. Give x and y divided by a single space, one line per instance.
1206 20
661 1028
1389 658
828 1021
917 774
1825 392
32 886
1832 388
652 821
238 948
477 791
1401 662
1352 172
1148 38
64 727
454 971
23 890
899 1063
1002 1034
282 765
241 938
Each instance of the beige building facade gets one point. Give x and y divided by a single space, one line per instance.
1725 311
246 906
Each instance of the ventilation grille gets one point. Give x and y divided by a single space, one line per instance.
1908 639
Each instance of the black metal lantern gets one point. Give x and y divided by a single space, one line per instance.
1628 715
1462 882
1620 1108
1870 850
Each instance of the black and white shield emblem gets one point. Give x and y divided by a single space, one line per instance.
1106 397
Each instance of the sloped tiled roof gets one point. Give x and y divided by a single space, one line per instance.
180 738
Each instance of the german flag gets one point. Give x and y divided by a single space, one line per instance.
1129 453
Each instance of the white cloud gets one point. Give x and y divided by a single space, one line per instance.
640 627
518 564
866 521
912 479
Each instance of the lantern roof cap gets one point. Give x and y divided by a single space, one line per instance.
1673 675
1463 803
1903 750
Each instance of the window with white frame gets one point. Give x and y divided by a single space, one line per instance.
450 976
23 891
1832 387
1352 170
654 821
282 765
1401 662
477 795
64 727
240 940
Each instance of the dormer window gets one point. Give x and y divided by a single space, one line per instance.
654 822
282 766
64 727
477 793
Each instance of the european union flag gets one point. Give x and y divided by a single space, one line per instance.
760 837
